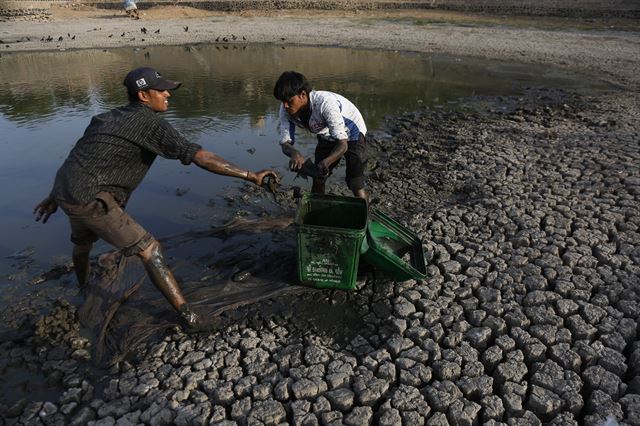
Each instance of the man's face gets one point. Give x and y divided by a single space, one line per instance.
296 103
157 100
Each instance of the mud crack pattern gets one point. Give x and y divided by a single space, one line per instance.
528 207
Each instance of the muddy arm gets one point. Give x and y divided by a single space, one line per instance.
337 153
297 159
218 165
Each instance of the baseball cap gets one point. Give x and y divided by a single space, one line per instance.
147 78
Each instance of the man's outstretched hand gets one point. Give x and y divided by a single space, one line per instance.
45 209
258 177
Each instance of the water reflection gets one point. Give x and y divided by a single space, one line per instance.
234 83
225 104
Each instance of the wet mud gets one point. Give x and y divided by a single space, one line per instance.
528 210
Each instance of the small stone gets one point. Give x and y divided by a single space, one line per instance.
268 412
479 337
543 402
463 412
340 399
359 416
389 417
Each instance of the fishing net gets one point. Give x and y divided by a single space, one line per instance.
241 262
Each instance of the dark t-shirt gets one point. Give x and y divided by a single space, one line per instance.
115 153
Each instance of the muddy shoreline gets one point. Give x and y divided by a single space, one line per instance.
608 55
528 207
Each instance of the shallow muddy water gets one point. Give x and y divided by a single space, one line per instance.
225 104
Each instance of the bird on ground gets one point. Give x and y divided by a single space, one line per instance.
42 39
186 28
244 38
217 39
233 36
60 38
68 35
122 35
110 35
143 30
49 38
74 37
147 55
225 39
157 31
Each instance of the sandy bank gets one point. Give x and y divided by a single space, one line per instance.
611 55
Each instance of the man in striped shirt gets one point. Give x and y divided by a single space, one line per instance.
109 161
338 124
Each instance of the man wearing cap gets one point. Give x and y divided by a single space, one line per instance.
109 161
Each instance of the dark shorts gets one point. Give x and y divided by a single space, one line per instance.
104 218
356 158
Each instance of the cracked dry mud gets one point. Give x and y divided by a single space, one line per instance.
528 209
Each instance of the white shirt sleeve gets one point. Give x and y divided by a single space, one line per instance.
330 111
286 128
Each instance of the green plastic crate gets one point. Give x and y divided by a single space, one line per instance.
393 249
330 231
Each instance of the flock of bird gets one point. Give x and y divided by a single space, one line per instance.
143 30
61 38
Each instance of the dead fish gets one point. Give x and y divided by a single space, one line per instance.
271 185
241 276
22 254
55 273
181 191
310 169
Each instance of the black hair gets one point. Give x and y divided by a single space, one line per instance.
133 96
289 84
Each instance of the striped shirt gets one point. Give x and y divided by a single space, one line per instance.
115 153
333 117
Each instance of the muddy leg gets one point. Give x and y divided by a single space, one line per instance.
318 186
163 279
360 193
161 275
81 264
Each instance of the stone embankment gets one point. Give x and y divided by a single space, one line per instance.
529 210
